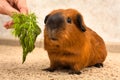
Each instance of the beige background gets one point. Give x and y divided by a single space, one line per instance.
103 16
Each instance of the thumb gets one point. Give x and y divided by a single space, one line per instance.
24 10
22 6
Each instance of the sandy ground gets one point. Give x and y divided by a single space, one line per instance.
11 67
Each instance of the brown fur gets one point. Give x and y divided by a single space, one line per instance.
73 48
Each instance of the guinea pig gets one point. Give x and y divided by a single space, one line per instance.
70 43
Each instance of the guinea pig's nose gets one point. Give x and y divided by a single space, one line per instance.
55 21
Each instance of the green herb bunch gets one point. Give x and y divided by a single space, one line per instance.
26 29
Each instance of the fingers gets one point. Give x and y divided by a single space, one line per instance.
10 10
8 24
6 8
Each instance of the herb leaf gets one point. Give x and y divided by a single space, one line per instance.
26 29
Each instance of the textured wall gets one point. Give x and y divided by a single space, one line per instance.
103 16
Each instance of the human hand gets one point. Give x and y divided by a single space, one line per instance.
8 7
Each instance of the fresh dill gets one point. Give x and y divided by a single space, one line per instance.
26 29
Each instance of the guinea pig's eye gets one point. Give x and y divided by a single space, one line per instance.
68 20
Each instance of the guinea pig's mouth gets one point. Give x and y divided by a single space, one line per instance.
53 39
52 35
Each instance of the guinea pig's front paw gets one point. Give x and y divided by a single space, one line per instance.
49 69
99 65
75 72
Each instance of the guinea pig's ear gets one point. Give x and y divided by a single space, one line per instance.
79 24
46 18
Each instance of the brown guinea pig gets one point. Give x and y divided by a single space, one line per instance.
70 43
